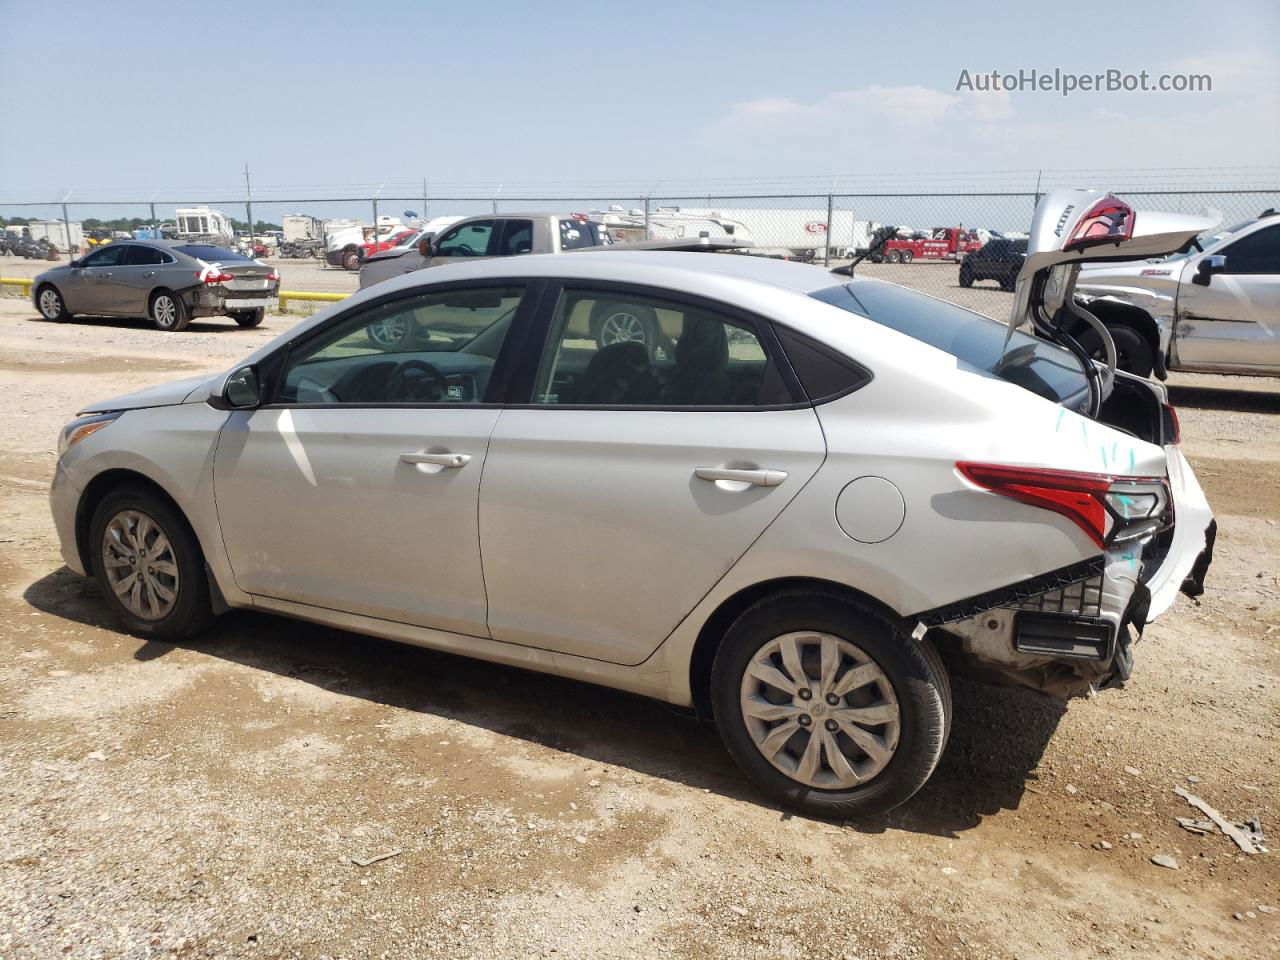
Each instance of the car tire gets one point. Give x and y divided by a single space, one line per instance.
249 318
908 682
906 256
350 259
133 522
50 303
619 322
389 332
168 312
893 256
966 276
1133 351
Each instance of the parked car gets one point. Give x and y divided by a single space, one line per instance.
999 259
169 282
1214 308
778 524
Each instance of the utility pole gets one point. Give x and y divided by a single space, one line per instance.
248 208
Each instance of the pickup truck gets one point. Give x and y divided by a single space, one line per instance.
515 234
1214 308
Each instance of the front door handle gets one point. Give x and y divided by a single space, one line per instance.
451 460
757 478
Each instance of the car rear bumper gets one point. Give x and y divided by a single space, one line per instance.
215 301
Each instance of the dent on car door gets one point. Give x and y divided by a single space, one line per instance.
355 488
1234 319
637 477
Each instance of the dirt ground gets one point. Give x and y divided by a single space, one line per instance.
210 799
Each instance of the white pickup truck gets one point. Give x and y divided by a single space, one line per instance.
1212 309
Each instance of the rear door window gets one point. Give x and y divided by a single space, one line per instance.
575 234
517 238
145 257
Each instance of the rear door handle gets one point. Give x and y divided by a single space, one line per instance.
451 460
757 478
149 273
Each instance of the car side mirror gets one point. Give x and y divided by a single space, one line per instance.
241 391
1208 267
426 247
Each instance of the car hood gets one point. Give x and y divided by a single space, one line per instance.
190 390
389 254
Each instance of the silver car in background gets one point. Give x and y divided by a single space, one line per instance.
167 282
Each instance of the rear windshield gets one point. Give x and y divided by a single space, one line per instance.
582 233
1045 369
206 251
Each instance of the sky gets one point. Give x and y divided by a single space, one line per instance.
131 99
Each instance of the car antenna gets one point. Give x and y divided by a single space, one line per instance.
878 240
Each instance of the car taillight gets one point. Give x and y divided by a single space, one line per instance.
1110 220
209 278
1110 509
273 277
1172 430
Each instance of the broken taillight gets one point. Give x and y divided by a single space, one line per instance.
1108 508
1110 220
1172 430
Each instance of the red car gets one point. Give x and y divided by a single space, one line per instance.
386 243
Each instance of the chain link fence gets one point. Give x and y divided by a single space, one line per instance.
315 244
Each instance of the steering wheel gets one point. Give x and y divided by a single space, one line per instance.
463 250
416 380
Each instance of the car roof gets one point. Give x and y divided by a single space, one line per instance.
686 270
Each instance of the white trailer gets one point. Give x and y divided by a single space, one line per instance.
55 231
203 225
801 233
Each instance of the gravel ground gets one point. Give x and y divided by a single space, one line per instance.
221 798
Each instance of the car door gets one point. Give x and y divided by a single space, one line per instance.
91 288
137 277
633 478
355 487
1234 321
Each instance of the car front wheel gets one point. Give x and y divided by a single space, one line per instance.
149 565
828 707
51 305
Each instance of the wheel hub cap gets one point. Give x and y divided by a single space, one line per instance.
140 565
820 710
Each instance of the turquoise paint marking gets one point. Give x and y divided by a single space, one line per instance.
1132 460
1062 412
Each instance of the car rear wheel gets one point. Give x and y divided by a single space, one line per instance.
828 707
149 565
168 312
1133 352
249 318
906 256
350 259
894 256
966 276
624 323
51 305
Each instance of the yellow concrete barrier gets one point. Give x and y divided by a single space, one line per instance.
23 282
287 295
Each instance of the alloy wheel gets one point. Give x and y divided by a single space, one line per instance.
165 310
140 565
621 327
389 331
50 304
820 710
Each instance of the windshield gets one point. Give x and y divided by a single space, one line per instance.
212 254
1209 238
1045 369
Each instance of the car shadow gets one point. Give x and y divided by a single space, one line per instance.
214 325
1224 398
997 738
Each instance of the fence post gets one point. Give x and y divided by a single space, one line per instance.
646 217
826 254
66 226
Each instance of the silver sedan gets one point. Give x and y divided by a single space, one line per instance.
170 283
